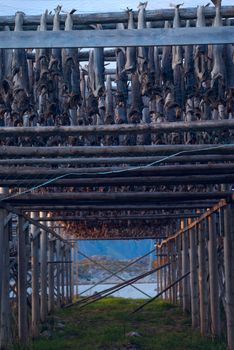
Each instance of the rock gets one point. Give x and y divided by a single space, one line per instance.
46 334
133 334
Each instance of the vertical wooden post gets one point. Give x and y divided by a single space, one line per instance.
173 271
62 255
58 269
5 330
179 240
67 273
158 263
213 277
202 278
77 267
43 272
35 280
185 268
50 271
229 271
22 284
72 271
193 277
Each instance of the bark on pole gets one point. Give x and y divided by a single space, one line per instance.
67 270
35 280
22 284
58 269
5 330
185 268
202 278
72 249
229 271
62 255
193 277
43 259
50 272
213 277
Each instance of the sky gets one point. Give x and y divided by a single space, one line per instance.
82 6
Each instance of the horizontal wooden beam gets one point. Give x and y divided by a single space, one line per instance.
72 173
116 37
14 151
60 198
200 204
120 129
123 217
118 160
117 17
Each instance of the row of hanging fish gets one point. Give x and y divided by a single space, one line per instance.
151 84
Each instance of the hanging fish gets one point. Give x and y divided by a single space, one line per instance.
56 52
177 64
130 65
189 79
142 52
201 51
229 61
109 102
167 72
7 57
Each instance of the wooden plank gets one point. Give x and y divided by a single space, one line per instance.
213 277
22 285
229 271
35 278
122 181
116 17
193 276
118 160
117 129
117 38
117 196
185 269
13 151
43 273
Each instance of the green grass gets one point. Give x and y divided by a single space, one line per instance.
105 325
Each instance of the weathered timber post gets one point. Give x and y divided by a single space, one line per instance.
185 268
50 271
161 270
67 270
5 330
179 271
77 267
229 271
43 260
158 272
62 255
72 251
35 278
173 270
58 269
193 276
202 278
213 276
22 284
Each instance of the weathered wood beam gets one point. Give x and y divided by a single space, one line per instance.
14 151
118 172
116 37
114 196
118 129
123 181
118 160
123 217
117 17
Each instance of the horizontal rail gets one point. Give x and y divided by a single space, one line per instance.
116 17
117 129
117 37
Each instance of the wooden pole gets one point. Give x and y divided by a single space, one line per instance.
193 276
62 255
213 276
43 272
72 271
35 279
67 274
22 285
58 269
5 329
50 271
202 277
229 271
185 268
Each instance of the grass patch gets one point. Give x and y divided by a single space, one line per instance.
106 324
